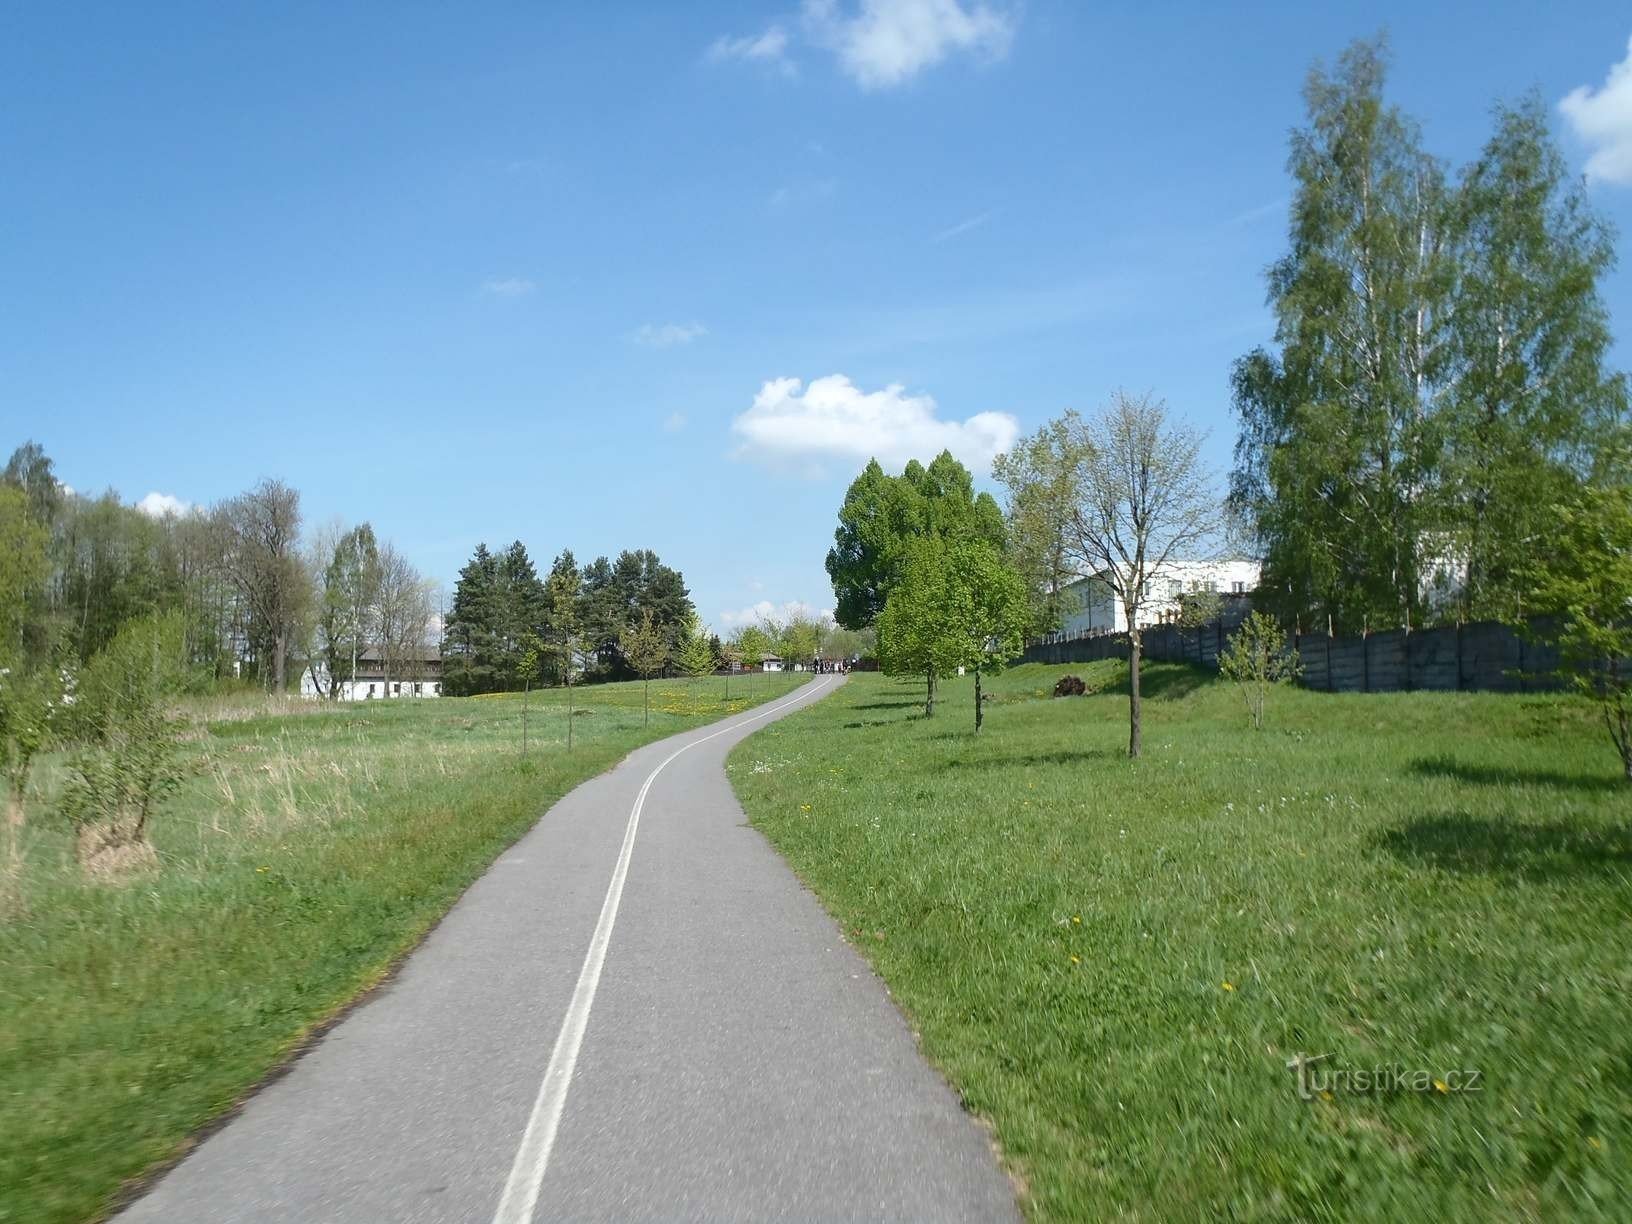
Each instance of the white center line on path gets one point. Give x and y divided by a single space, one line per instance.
527 1173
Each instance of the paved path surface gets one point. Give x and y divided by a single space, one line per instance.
701 1046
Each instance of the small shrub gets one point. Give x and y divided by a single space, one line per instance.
125 766
1257 658
1070 686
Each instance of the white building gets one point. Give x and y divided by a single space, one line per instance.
771 663
1090 605
419 675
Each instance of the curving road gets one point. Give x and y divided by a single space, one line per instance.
638 1013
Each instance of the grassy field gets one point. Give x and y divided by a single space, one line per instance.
307 850
1115 961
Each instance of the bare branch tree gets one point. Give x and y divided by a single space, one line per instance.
1142 501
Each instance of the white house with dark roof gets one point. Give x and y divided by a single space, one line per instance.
418 673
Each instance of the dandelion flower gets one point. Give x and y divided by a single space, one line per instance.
1228 985
1440 1086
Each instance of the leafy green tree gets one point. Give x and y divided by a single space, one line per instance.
347 608
1584 582
696 656
1257 658
751 644
913 629
1337 446
1532 413
1041 475
988 614
881 513
126 764
798 639
562 592
23 571
646 646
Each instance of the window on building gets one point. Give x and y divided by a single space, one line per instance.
396 690
1239 587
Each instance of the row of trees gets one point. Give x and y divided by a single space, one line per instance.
1439 382
253 596
502 610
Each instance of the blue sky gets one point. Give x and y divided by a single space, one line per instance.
522 271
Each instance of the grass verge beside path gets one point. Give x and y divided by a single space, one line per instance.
305 853
1114 961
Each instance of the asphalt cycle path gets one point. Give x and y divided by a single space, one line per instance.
637 1013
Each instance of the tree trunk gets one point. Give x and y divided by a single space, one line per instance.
526 691
280 649
1134 726
980 709
929 694
646 701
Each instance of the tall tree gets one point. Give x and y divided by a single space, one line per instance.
1533 413
263 528
1041 474
348 604
470 637
1337 450
881 513
913 637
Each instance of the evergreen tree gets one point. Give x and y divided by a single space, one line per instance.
470 639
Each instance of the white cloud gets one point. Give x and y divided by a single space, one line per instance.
765 610
962 227
768 48
667 335
1602 118
508 286
674 422
793 425
157 505
888 42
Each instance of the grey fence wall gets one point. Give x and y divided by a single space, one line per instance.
1482 655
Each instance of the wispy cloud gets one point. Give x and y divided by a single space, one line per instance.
674 422
667 335
768 48
791 426
962 227
885 43
508 286
1273 208
1602 118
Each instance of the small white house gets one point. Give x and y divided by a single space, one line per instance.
770 663
1090 605
418 675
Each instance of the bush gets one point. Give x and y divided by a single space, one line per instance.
1257 658
124 767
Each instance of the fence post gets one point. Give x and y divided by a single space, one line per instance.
1365 662
1331 683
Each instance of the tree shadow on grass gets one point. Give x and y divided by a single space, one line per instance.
1065 756
1507 775
888 705
1476 845
1170 683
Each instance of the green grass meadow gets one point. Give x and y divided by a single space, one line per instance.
1114 961
307 850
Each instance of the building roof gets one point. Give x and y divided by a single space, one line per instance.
422 654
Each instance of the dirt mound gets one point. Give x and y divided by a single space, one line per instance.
1070 686
109 858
